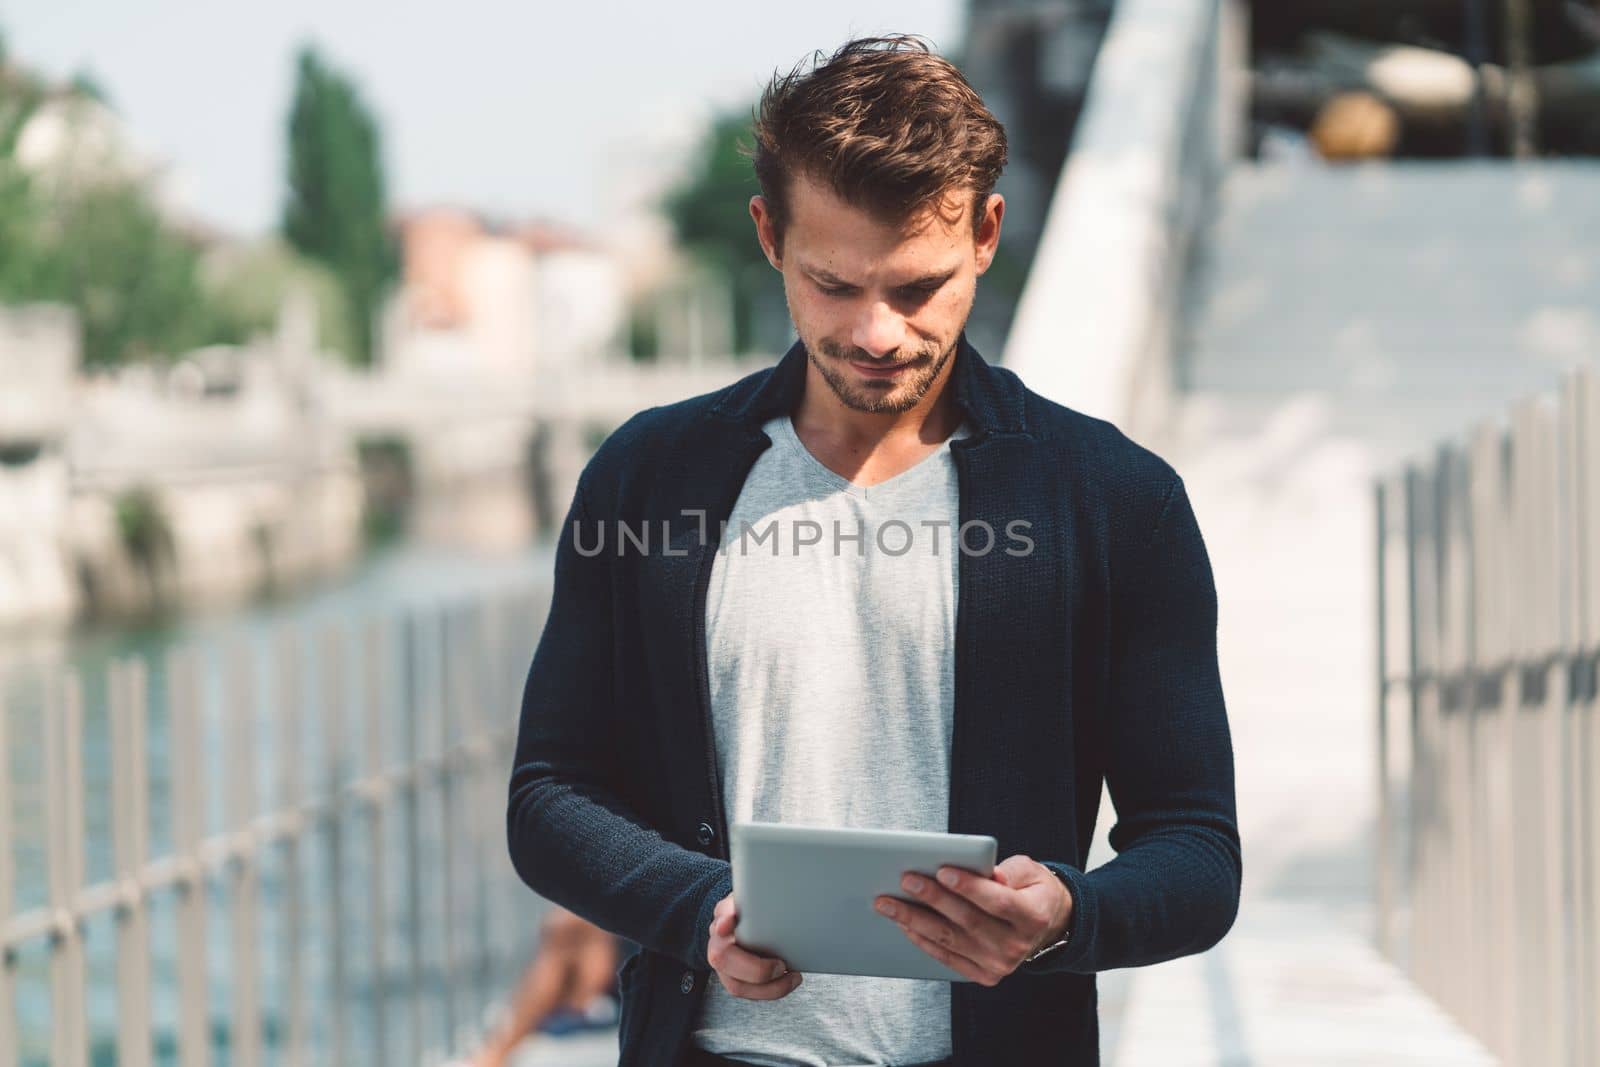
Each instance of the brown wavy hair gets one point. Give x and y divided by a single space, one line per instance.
888 124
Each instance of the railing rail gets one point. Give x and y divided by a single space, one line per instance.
365 912
1488 744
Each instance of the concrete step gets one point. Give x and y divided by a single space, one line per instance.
1412 299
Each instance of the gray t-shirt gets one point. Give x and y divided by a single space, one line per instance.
830 626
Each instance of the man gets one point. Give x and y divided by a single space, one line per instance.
755 615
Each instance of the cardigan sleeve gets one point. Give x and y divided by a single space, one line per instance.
572 839
1173 887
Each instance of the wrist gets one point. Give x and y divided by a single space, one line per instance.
1059 931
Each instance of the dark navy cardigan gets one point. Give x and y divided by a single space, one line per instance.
1090 659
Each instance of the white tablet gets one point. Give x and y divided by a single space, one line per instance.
805 893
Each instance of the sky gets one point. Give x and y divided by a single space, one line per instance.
521 110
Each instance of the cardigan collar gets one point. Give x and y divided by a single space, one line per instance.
990 398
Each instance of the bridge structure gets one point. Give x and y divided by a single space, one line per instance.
1290 335
239 469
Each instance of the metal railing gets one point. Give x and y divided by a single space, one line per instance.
336 887
1488 746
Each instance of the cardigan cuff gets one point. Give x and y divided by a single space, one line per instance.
721 887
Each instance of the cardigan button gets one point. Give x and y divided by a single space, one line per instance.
686 983
705 834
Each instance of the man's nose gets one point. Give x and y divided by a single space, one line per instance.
879 330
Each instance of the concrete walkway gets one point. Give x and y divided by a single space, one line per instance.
1286 512
1293 984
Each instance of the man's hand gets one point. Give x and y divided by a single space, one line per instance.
743 973
982 927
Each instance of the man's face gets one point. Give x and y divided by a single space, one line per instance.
878 305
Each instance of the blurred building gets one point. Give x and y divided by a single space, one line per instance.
205 482
502 301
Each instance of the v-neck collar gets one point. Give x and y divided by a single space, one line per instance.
782 429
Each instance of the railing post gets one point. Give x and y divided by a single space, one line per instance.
242 715
1425 840
64 801
1542 723
478 656
1455 733
412 784
8 873
1563 628
446 692
184 731
127 686
374 712
291 800
1491 655
334 678
1475 874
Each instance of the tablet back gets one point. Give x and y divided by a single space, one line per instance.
805 894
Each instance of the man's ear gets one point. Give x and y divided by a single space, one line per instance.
987 239
766 233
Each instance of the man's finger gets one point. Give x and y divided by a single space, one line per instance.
954 960
741 964
958 909
933 926
763 991
986 894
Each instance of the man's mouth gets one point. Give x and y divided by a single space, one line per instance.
881 370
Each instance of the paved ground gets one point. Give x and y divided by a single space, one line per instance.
1292 985
1286 512
588 1050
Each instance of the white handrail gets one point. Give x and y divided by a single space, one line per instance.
1101 293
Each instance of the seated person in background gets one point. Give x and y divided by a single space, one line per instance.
570 985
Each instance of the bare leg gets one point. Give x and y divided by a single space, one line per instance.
548 983
594 969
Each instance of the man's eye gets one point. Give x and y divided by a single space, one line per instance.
834 290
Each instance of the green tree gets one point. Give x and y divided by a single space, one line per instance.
134 283
336 208
101 248
20 94
708 216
